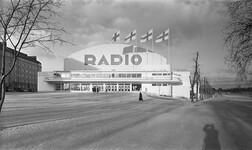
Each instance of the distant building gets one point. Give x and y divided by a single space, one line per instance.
24 75
116 68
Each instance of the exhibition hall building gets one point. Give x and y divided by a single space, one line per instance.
117 68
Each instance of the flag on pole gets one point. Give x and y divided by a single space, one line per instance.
130 37
148 36
116 36
163 36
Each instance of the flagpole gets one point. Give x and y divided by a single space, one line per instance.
147 52
136 38
170 62
152 46
152 42
136 47
168 51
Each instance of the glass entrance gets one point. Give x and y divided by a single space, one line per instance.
97 87
101 87
85 87
124 87
136 87
75 87
111 87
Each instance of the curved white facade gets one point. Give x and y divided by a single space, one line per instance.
117 57
116 68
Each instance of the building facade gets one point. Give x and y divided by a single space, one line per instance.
116 68
24 75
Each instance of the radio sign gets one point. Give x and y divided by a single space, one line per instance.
115 59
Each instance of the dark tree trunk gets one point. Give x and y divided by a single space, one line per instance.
2 83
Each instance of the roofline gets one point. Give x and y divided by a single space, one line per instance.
21 55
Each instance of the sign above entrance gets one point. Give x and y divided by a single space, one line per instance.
115 59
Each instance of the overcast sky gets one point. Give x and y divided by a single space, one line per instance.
195 25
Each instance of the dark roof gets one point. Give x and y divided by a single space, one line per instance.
20 55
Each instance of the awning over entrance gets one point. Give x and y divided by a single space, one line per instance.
147 80
139 77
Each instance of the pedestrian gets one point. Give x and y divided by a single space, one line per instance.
140 97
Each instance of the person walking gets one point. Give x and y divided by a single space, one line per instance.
140 97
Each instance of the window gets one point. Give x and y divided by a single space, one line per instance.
122 75
156 74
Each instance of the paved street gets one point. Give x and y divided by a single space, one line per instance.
119 121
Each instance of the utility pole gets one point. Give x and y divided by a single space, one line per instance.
204 90
201 89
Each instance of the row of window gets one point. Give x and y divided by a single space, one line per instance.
161 74
159 84
23 63
106 75
87 87
113 75
21 75
25 81
25 69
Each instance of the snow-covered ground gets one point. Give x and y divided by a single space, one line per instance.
120 121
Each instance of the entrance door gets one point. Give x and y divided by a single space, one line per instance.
97 87
136 87
111 87
124 87
85 87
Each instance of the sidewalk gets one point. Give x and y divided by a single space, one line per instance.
185 129
163 97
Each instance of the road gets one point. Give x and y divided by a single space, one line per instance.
234 114
120 121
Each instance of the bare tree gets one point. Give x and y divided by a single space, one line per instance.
194 79
197 84
238 37
27 23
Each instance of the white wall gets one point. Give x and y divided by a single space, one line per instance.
157 90
42 85
182 90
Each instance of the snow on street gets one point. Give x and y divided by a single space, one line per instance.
120 121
